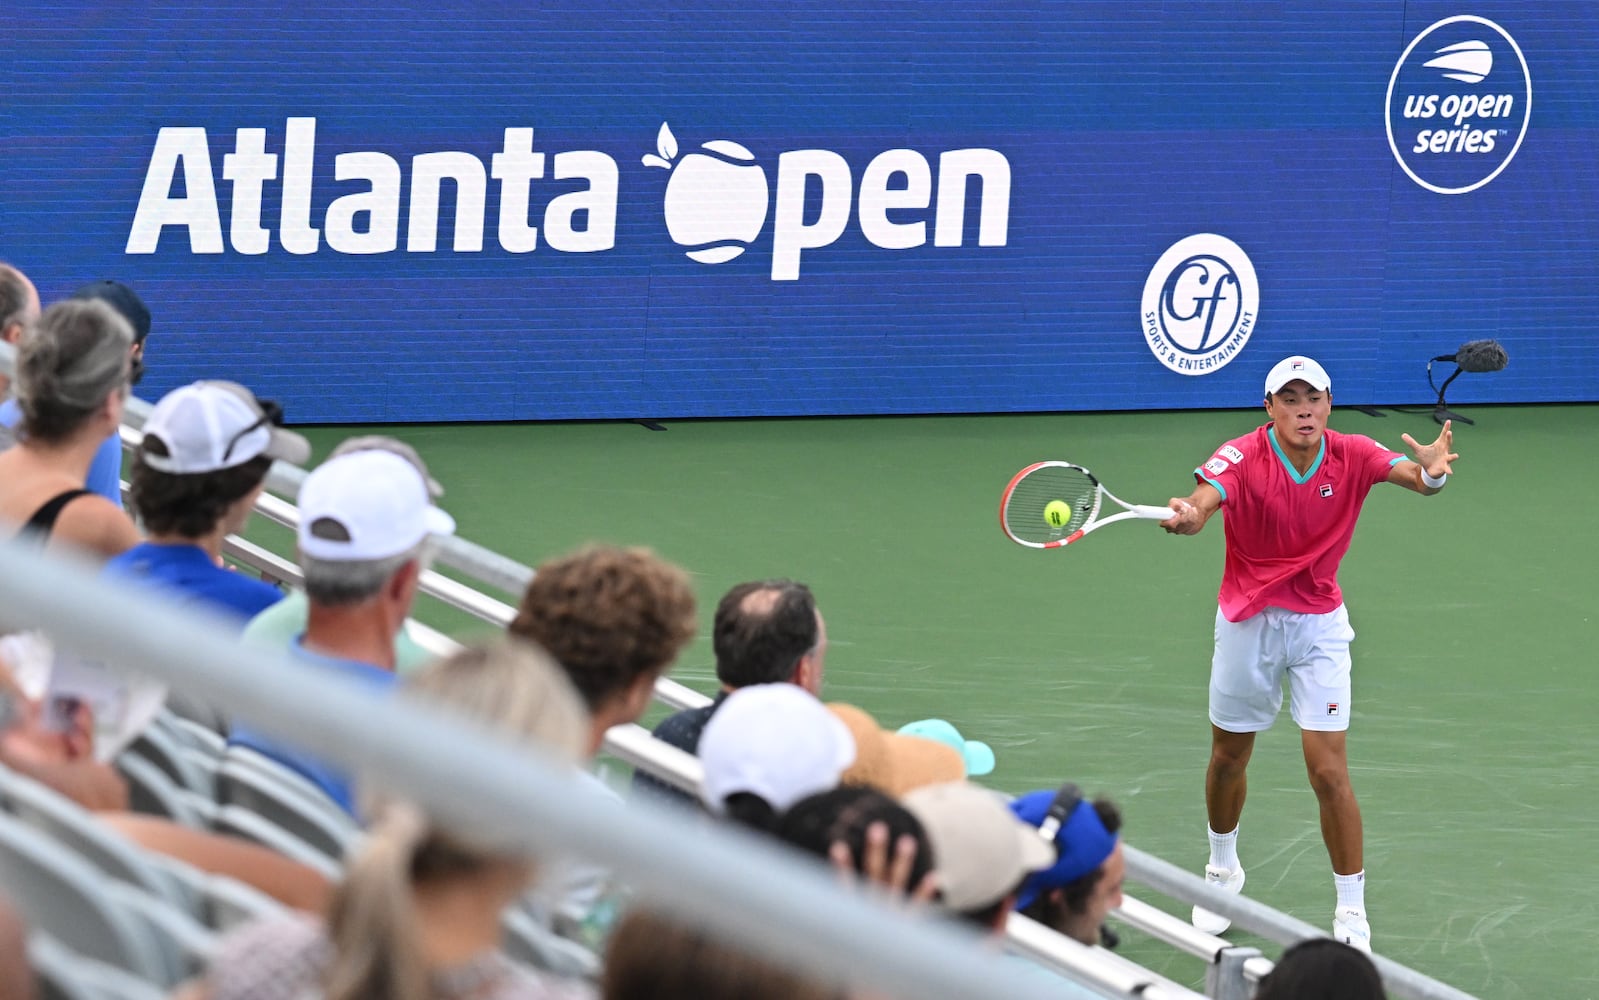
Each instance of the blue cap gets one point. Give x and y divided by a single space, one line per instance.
979 756
1082 842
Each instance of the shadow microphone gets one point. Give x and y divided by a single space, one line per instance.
1478 356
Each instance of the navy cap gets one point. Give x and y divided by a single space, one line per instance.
124 300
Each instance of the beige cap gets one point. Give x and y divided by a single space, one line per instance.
982 851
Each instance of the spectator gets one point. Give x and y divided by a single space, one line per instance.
72 379
770 746
892 762
15 983
196 476
19 309
614 619
284 622
983 852
1322 969
418 914
853 827
365 531
654 957
766 632
105 472
1084 884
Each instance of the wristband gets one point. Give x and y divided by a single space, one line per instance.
1436 484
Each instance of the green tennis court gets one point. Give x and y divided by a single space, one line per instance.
1473 746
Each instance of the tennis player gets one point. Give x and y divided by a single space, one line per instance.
1292 490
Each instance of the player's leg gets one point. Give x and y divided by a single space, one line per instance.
1320 684
1245 696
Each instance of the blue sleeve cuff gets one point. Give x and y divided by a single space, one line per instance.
1200 475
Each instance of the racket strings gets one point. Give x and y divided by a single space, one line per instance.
1050 503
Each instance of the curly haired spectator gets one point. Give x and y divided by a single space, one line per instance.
615 619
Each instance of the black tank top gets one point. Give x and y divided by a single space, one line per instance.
43 520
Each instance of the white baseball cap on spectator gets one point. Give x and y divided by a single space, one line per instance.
774 741
983 850
367 505
207 426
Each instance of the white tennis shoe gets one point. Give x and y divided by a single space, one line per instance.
1352 928
1230 879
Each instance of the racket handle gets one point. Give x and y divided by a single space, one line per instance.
1154 513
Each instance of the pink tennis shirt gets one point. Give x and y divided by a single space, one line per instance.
1286 533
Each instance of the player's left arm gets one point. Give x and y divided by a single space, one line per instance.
1432 461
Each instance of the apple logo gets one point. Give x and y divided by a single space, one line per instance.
715 201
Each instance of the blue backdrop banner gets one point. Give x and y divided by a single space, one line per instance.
386 211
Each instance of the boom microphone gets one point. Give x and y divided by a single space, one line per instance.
1478 356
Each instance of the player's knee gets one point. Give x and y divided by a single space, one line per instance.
1228 761
1328 779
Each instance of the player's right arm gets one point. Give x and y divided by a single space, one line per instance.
1193 510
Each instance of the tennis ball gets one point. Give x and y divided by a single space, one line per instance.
1057 513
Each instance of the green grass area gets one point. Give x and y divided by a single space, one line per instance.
1473 748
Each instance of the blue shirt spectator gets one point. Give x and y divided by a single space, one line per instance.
191 571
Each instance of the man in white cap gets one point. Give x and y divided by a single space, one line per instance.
196 476
767 747
1293 491
366 522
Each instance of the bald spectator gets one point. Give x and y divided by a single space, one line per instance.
365 533
72 380
764 632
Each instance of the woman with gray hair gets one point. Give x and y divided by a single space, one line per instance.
73 371
418 914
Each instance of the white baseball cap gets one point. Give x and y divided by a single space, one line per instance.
983 850
775 741
208 426
366 505
1300 368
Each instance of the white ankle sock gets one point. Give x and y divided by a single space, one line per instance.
1224 849
1351 889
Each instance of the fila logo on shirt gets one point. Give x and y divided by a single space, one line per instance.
1326 489
1332 708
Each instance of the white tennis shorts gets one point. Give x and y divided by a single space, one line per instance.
1253 656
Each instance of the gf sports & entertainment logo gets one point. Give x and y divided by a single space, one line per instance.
1201 302
1459 102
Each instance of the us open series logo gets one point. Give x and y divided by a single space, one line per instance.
1458 106
1201 302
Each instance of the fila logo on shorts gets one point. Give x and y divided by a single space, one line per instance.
1326 489
1332 708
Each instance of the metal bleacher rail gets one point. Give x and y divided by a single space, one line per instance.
1231 971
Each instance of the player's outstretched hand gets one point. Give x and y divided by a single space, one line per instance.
1435 457
1185 519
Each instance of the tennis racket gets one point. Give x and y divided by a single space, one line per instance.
1051 504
